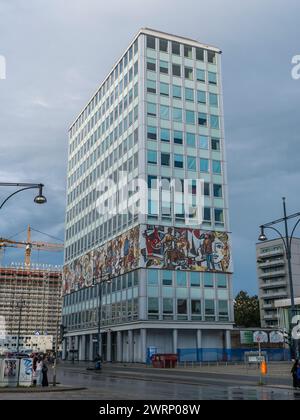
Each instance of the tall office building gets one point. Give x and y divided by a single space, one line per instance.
273 279
145 239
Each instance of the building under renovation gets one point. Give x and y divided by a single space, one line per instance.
30 300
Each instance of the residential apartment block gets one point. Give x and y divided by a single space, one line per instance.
273 279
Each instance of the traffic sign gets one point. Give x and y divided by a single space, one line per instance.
260 337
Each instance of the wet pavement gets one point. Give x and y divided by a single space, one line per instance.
151 385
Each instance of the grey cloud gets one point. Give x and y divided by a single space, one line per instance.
59 51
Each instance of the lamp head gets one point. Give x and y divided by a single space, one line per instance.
40 198
262 236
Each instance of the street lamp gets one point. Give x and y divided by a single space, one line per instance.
100 290
20 304
287 241
39 199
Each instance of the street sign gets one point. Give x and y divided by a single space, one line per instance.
260 337
246 337
256 359
276 337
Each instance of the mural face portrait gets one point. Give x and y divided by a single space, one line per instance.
87 271
219 250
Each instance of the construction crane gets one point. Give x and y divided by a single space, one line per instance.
29 245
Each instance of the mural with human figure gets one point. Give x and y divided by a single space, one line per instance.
150 246
116 257
185 249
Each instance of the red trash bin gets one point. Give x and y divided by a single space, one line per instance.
156 361
164 361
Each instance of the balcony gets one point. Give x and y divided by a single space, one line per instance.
269 306
275 295
271 263
275 273
271 317
273 284
273 253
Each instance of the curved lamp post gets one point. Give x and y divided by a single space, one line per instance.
287 239
39 199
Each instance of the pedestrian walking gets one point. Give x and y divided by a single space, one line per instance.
34 366
39 367
44 374
98 362
296 374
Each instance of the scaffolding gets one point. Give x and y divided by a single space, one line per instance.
40 290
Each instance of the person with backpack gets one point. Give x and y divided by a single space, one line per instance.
296 374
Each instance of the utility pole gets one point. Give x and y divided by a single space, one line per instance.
99 344
55 358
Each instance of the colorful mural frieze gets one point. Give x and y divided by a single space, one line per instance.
185 249
116 257
158 247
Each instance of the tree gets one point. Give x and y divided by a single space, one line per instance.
246 310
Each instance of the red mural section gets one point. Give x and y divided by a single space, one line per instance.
185 249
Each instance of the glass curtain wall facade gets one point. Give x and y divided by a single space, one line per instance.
165 285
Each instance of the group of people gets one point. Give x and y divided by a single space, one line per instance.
296 374
39 371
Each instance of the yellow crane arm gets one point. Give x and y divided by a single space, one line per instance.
29 245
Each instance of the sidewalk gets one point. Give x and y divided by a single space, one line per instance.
279 370
39 390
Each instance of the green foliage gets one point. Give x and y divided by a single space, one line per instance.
246 310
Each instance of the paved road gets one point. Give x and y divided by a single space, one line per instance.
117 382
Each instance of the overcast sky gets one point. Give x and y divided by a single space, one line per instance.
58 52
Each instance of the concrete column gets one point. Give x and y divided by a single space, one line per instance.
64 349
130 346
91 346
76 342
119 347
76 347
228 344
79 338
143 342
69 343
199 345
82 346
175 341
143 295
69 347
108 346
